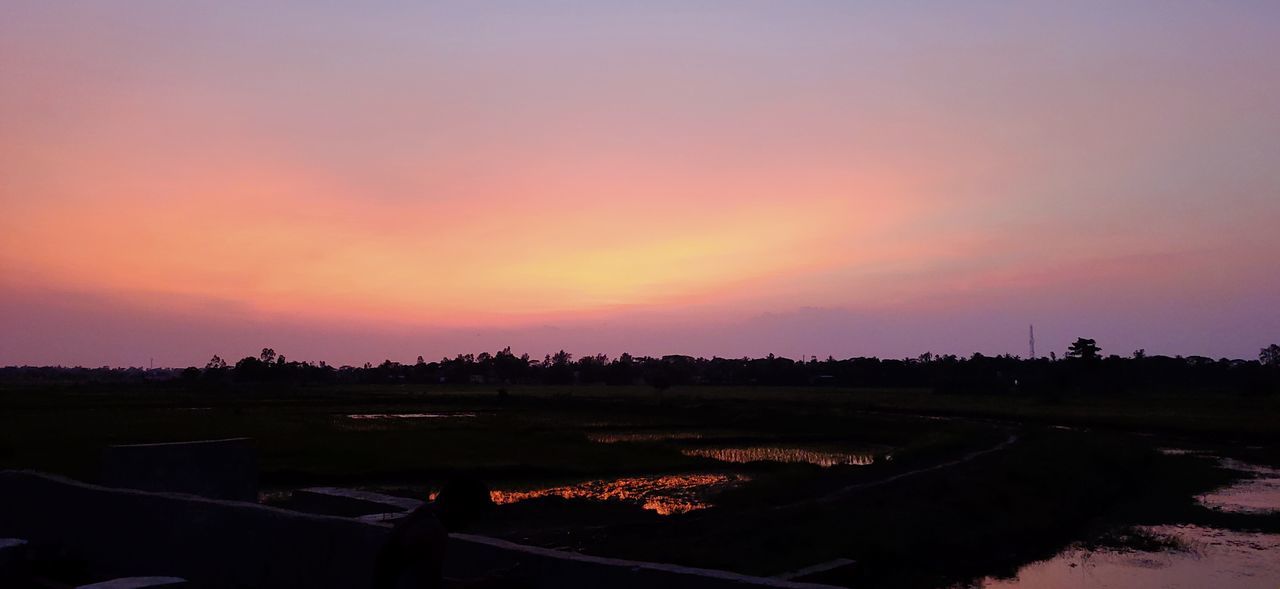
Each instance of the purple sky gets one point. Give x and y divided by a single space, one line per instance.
712 178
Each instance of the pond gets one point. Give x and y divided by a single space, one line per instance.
1258 494
1212 558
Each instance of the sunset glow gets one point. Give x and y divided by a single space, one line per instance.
352 185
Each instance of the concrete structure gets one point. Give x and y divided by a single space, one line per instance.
13 552
137 583
220 469
217 543
818 569
372 507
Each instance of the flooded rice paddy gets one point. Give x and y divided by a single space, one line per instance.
1210 558
783 454
623 437
663 494
669 494
363 416
1213 559
740 454
1258 494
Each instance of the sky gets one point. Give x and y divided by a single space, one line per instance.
365 181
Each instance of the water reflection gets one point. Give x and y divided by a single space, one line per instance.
783 454
666 495
615 437
1260 493
1215 558
407 415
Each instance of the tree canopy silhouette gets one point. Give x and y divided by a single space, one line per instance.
941 373
1270 355
1084 349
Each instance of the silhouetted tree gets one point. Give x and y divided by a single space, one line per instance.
591 369
1084 349
558 369
976 374
1270 355
250 369
508 368
622 370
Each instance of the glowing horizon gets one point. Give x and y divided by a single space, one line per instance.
725 179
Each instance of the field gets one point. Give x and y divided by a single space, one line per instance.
921 489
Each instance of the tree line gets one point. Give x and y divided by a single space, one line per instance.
1083 368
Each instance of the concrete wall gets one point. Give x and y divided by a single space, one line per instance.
221 469
547 568
13 553
352 502
211 542
216 543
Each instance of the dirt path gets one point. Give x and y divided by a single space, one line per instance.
846 491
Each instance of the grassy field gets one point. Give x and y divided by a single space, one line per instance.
988 515
306 435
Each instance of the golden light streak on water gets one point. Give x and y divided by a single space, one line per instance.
666 494
780 454
407 415
612 438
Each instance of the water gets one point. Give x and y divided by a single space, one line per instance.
1258 494
1213 558
783 454
616 437
362 416
665 494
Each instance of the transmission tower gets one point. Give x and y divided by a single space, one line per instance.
1033 342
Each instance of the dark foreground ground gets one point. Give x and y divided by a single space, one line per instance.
958 487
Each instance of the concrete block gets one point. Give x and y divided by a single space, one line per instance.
544 568
218 469
352 502
13 554
216 543
137 583
210 542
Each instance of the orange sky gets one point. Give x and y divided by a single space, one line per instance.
659 173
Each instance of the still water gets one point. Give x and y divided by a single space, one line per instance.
362 416
1259 494
619 437
1212 559
665 494
783 454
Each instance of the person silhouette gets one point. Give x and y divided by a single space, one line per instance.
413 556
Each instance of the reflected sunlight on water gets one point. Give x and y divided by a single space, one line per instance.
1216 558
407 415
781 454
1258 494
666 494
614 437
